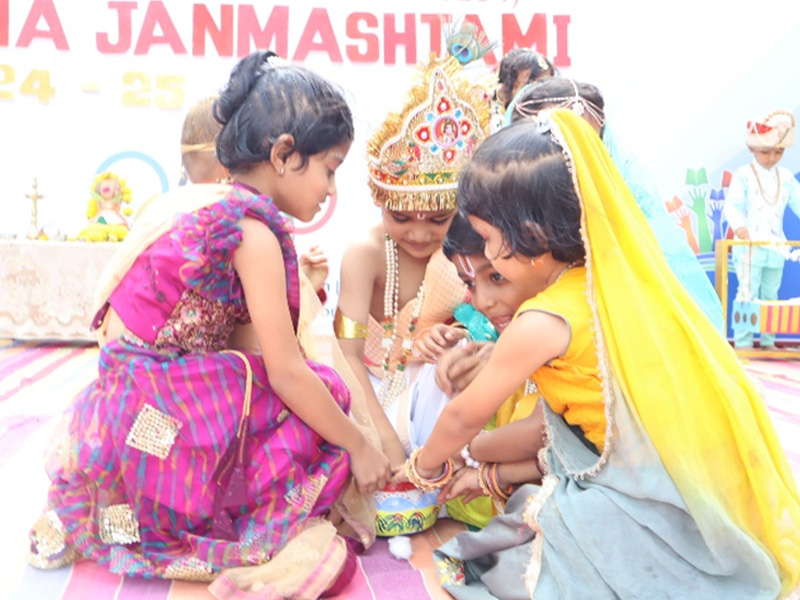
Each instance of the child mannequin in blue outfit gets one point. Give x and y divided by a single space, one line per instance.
757 199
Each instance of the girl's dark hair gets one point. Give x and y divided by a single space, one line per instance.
263 100
545 92
519 182
462 239
522 59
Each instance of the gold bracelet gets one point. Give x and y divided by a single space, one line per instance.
490 484
423 483
483 481
494 483
345 328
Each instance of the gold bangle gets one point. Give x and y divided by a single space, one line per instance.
490 484
423 483
494 483
345 328
483 481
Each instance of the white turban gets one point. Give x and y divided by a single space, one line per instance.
776 130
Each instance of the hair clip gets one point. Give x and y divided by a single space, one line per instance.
270 62
543 121
277 61
542 62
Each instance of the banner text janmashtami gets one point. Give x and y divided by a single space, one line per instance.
237 29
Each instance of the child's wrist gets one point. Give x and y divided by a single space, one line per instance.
501 477
476 446
356 443
422 333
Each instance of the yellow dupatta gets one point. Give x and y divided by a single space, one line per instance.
676 372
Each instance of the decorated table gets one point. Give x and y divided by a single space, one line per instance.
46 287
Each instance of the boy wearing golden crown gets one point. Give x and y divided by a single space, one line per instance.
757 198
395 281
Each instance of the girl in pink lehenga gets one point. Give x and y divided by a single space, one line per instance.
184 460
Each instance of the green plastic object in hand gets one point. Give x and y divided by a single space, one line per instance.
478 325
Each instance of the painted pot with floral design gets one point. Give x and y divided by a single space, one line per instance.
403 509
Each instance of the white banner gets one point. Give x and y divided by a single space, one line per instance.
104 85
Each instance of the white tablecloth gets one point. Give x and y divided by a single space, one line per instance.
46 288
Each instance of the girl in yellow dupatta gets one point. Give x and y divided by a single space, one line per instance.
663 474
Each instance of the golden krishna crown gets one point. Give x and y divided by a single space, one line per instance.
415 156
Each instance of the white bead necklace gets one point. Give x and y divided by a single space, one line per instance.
394 382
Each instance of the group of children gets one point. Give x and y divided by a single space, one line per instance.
207 452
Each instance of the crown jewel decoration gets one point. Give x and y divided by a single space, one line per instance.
416 155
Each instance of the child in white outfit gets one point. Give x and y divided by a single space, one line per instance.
757 199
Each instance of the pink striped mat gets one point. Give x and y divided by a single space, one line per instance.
37 381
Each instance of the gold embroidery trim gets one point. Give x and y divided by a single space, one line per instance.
345 328
153 432
314 489
49 541
450 570
305 497
189 569
417 201
118 525
531 517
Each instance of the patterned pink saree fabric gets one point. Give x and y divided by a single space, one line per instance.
132 482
